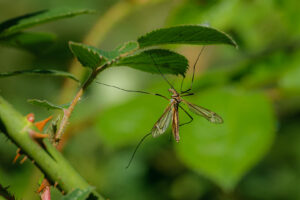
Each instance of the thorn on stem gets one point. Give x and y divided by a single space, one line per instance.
41 124
17 156
23 160
35 135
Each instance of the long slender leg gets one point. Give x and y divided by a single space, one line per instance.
194 67
136 148
155 64
188 94
181 85
136 91
191 118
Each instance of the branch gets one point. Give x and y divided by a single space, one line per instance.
68 111
44 154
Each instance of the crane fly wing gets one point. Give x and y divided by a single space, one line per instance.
207 114
163 122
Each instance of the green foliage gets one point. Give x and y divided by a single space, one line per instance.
167 61
87 55
93 57
35 42
155 60
127 47
5 194
11 30
46 72
189 34
46 156
224 153
79 194
18 24
152 60
47 104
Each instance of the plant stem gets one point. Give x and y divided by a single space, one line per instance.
69 110
44 154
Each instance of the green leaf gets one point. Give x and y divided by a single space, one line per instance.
17 24
88 56
190 34
166 61
48 72
224 153
127 47
79 194
93 57
47 104
35 42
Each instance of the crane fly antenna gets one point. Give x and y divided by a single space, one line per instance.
157 67
136 91
136 148
194 67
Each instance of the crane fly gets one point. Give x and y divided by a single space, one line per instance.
170 113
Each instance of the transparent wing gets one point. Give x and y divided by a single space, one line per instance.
207 114
163 122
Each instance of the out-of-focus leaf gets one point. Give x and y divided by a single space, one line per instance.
17 24
79 194
190 34
35 42
46 104
189 12
5 194
224 153
290 81
127 47
153 60
47 72
88 56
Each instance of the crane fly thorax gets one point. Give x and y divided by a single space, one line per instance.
175 96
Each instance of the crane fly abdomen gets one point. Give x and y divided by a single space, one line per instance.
175 122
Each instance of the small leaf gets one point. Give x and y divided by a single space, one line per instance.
48 72
35 42
5 193
17 24
79 194
93 57
88 56
166 61
190 34
127 47
47 104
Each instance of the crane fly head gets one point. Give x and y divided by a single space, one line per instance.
173 92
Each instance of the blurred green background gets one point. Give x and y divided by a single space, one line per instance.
255 154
